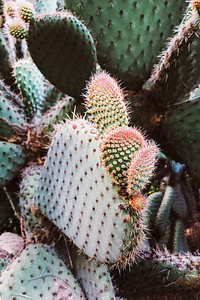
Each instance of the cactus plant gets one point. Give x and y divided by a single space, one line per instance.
83 178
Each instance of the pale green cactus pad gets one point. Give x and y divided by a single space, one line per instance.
42 276
78 196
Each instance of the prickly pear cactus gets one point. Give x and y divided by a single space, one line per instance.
85 169
129 34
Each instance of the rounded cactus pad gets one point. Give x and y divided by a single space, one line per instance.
105 104
117 148
31 83
63 49
129 34
77 195
39 274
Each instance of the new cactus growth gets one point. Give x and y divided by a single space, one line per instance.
105 104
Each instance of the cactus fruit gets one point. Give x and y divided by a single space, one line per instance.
12 158
87 207
42 275
123 32
105 104
16 28
72 40
31 84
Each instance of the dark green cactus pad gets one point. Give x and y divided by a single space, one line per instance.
178 70
12 159
129 34
180 136
39 274
64 51
31 83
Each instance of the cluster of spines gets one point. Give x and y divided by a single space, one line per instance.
105 104
117 149
19 14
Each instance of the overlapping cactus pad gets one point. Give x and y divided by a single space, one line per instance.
42 275
88 209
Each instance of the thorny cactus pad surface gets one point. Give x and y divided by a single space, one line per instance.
88 209
129 34
105 104
89 184
39 274
118 147
31 83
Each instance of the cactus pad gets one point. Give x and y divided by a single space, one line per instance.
56 43
42 275
78 196
105 103
118 147
125 31
31 84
